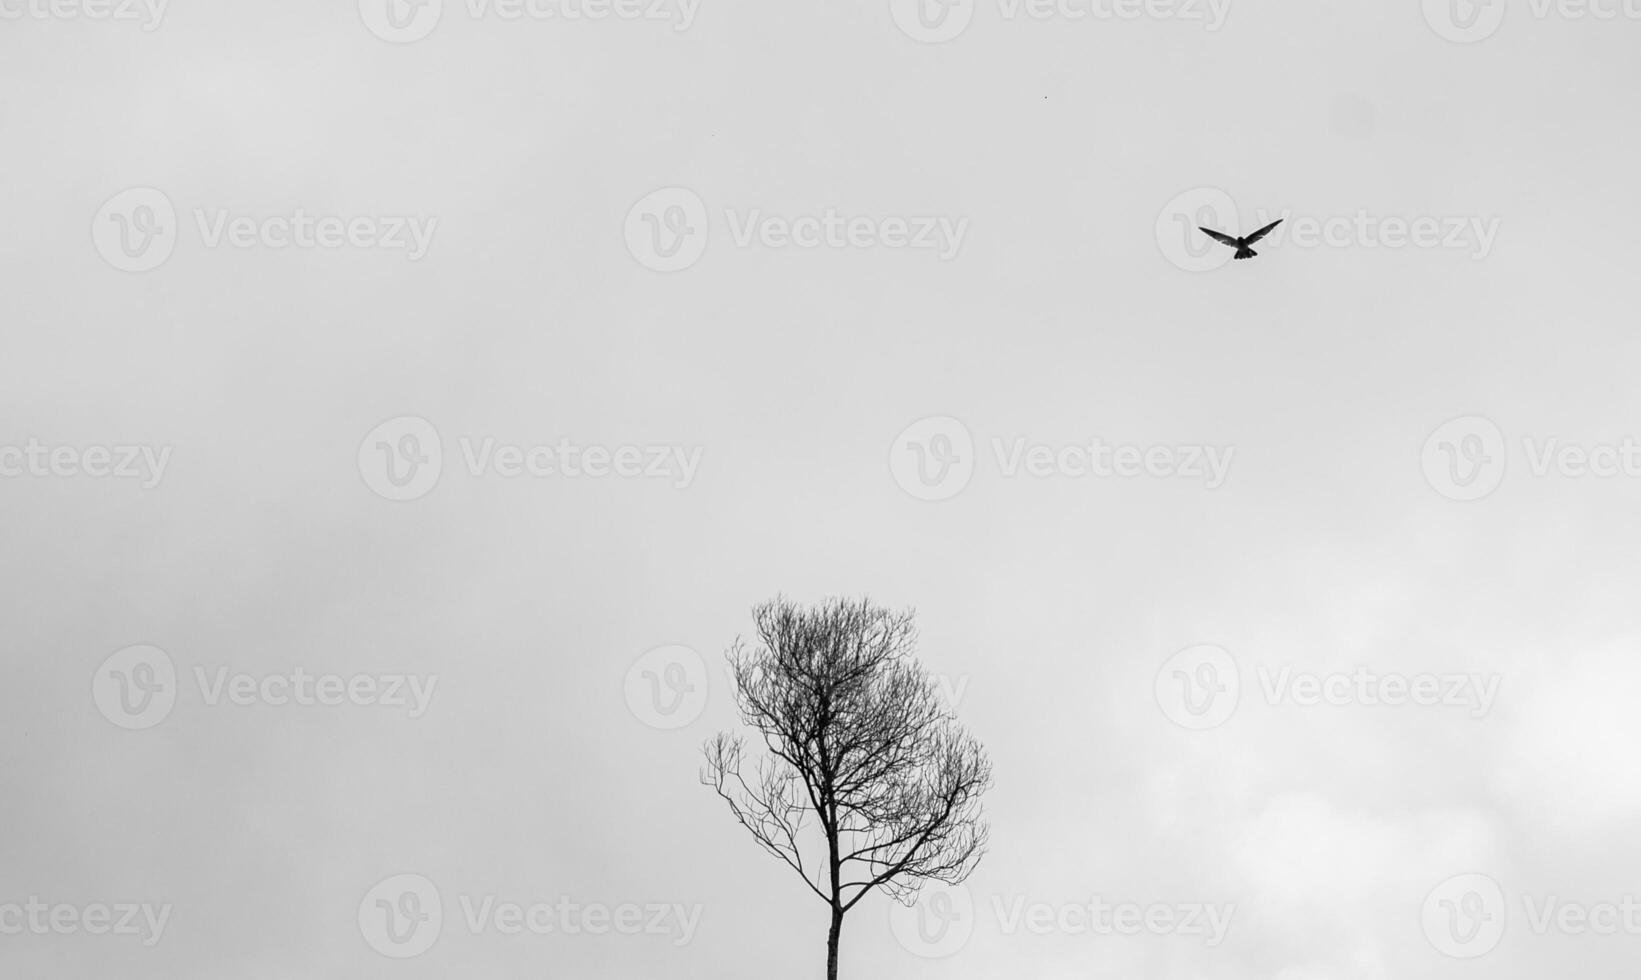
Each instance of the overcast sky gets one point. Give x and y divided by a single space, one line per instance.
403 409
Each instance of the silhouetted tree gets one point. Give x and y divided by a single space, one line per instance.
860 743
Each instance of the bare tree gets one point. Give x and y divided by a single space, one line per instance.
860 747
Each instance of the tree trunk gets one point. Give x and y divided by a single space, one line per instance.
832 944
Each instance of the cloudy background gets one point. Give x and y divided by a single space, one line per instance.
557 757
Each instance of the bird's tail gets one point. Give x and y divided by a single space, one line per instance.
1244 253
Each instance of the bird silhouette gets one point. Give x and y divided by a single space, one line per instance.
1241 244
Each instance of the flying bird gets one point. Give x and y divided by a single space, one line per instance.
1241 244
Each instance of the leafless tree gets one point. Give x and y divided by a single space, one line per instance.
860 747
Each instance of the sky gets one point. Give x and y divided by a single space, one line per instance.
403 408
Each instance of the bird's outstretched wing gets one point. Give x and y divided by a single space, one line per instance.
1261 233
1216 236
